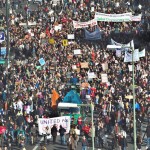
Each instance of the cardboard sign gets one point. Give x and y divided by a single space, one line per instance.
51 41
84 65
104 78
65 42
70 36
77 52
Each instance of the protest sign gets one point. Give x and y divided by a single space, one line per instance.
3 51
91 75
49 122
42 61
51 41
105 66
104 78
130 67
58 27
125 17
74 67
65 42
77 52
70 36
78 24
84 65
92 9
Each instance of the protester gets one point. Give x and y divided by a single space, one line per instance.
54 133
62 132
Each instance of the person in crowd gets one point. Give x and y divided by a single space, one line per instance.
84 143
54 133
62 132
71 143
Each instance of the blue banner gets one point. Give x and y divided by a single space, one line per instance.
95 35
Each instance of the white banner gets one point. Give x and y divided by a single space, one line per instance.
128 56
49 122
78 24
142 53
125 17
136 18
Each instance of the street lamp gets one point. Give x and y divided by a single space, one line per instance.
133 87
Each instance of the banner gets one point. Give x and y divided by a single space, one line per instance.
120 44
78 24
128 56
49 122
95 35
136 18
125 17
142 53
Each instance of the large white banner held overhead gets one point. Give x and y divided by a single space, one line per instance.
49 122
125 17
78 24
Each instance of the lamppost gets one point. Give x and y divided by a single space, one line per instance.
133 87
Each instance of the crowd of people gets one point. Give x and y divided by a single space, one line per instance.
26 85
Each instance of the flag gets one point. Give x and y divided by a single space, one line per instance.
128 56
142 53
54 98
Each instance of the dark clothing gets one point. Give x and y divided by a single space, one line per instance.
123 142
148 131
54 133
62 131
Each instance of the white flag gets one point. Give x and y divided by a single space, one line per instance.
128 56
142 53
